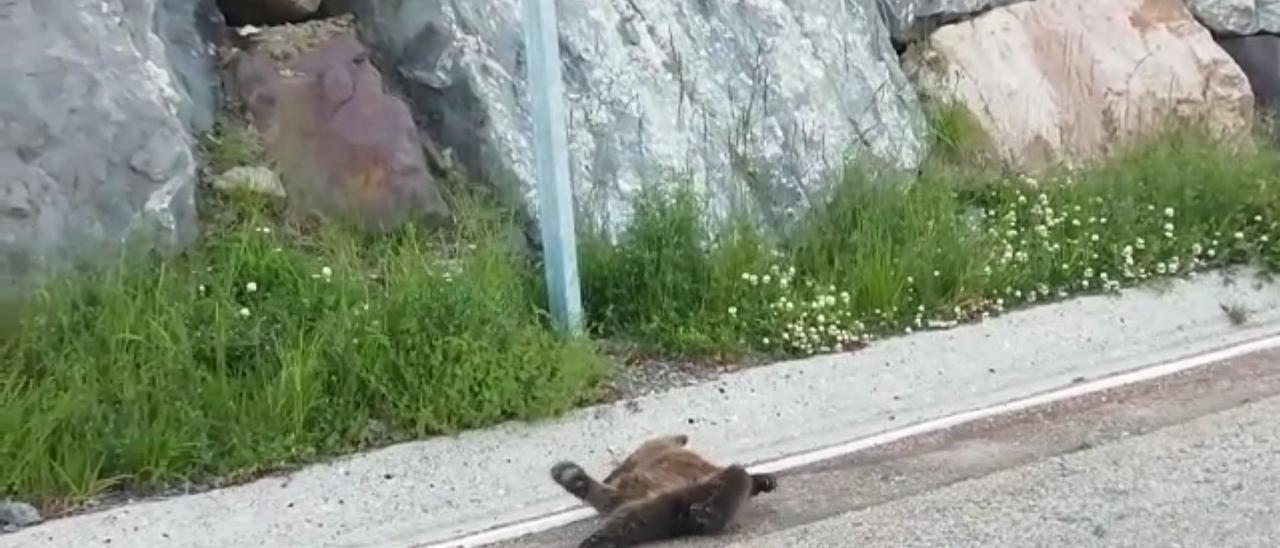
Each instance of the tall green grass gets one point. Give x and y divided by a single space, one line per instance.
267 346
959 243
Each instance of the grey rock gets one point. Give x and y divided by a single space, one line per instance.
256 179
912 20
18 514
191 31
95 157
1237 17
1259 57
757 104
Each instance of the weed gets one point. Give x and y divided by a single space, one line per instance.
1237 313
957 245
268 345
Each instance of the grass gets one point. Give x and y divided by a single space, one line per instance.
270 345
958 244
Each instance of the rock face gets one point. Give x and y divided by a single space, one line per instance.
1259 57
95 142
758 101
344 147
1237 17
1077 78
911 20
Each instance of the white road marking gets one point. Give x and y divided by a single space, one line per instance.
1143 374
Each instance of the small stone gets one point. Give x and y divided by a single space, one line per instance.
252 178
18 514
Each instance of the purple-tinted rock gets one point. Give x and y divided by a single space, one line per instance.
344 147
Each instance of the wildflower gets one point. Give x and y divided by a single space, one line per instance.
1239 235
326 272
733 311
1168 212
244 312
251 287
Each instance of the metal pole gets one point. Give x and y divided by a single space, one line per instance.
551 161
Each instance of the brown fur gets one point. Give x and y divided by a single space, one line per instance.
661 490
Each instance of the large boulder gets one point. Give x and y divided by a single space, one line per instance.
345 147
96 149
912 20
1259 57
1237 17
1066 80
758 102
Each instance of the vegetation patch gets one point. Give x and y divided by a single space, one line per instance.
275 342
269 345
958 244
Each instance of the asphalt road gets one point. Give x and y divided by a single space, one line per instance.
1191 460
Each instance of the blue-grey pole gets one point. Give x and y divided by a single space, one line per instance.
551 163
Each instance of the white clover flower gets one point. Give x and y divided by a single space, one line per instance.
1239 235
1094 237
244 312
766 278
1168 212
251 287
326 272
733 311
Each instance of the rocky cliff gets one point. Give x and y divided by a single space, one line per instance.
758 103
